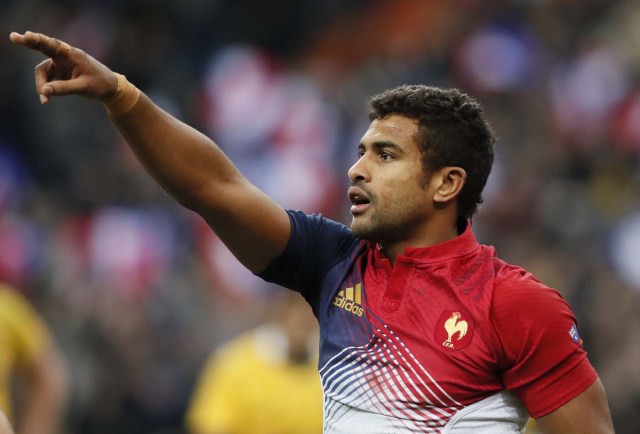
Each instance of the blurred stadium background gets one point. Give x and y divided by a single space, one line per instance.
138 291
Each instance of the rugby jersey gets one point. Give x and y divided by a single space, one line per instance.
450 339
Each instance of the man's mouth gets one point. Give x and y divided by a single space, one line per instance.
359 200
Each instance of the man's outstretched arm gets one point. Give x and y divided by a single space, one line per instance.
187 164
587 413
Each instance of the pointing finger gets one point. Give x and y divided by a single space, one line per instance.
51 47
48 46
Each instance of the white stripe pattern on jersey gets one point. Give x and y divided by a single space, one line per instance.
383 377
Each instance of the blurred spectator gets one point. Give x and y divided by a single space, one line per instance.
264 381
29 358
5 427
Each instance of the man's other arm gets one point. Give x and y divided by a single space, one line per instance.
587 413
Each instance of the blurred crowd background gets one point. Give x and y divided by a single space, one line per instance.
137 291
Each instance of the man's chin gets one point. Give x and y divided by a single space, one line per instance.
364 231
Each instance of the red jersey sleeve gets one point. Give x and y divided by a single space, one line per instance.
544 362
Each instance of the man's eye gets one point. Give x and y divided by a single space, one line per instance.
385 156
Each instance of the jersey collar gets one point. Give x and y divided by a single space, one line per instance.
458 246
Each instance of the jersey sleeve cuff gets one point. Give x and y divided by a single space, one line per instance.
550 396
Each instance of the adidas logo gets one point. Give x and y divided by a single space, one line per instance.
350 299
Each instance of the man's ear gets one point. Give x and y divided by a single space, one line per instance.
450 182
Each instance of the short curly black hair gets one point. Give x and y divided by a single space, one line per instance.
452 132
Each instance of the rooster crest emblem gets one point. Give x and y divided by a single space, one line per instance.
454 329
455 325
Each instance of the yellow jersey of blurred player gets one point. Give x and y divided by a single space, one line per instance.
265 381
29 357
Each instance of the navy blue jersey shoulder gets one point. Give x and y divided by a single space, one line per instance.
315 246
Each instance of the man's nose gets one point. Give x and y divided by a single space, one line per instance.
358 172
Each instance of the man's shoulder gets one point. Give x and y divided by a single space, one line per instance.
326 234
302 220
516 289
515 277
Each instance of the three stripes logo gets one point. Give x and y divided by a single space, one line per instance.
350 299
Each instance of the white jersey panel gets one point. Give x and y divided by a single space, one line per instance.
502 413
498 414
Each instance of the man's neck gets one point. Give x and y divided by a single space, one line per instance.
431 238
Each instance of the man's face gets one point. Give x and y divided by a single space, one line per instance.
391 200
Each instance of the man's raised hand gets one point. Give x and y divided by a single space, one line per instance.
68 70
